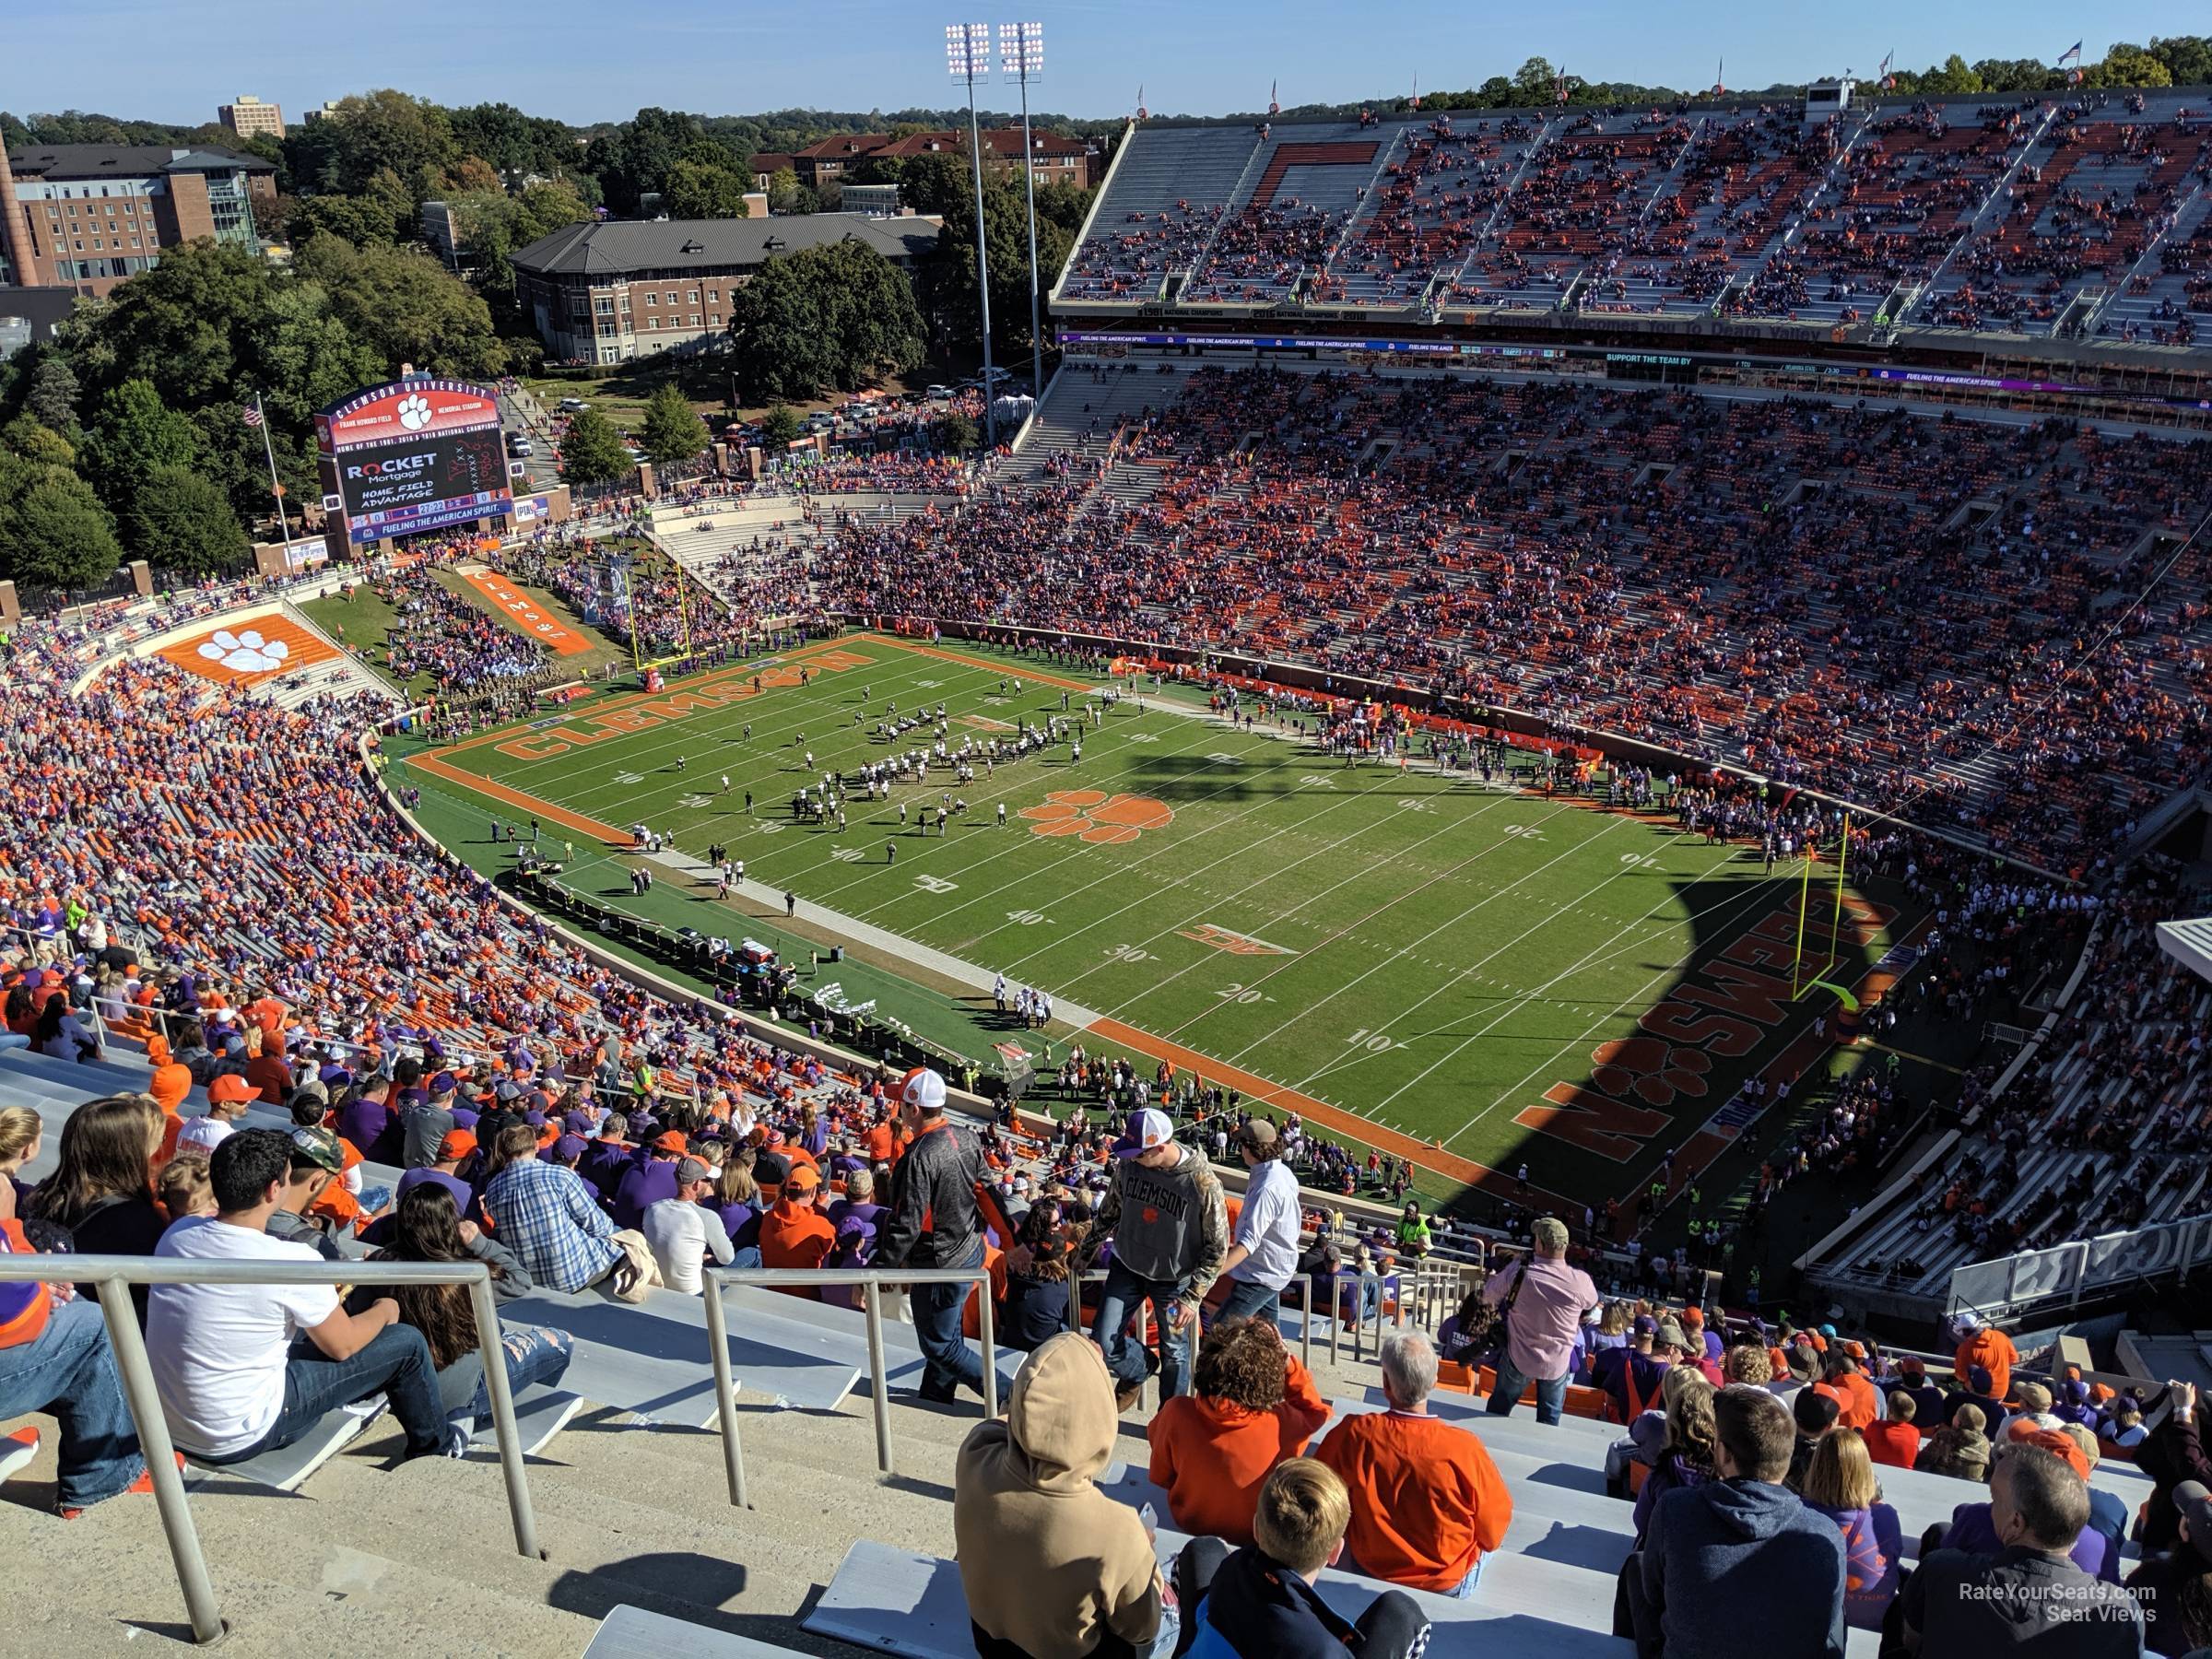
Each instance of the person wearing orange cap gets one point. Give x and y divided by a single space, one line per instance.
227 1098
794 1233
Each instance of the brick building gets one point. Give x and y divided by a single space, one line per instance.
249 118
88 215
604 293
1059 159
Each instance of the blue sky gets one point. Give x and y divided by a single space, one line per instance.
586 60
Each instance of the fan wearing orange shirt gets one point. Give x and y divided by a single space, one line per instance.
1981 1344
794 1233
1857 1403
1254 1405
1427 1504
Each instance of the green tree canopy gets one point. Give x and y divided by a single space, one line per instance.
407 306
696 190
53 532
591 450
183 522
838 315
134 436
673 430
779 428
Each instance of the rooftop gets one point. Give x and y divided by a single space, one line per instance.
126 160
624 245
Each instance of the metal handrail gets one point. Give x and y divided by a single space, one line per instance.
870 1279
1096 1276
113 1275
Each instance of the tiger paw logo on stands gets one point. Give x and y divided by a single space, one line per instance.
415 412
244 652
1098 817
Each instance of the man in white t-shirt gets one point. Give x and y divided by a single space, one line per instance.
682 1230
227 1098
1263 1256
233 1380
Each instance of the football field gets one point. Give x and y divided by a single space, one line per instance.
1478 975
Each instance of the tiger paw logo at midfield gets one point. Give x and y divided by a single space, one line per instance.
245 652
1096 816
415 412
1656 1072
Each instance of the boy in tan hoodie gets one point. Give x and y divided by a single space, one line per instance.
1051 1565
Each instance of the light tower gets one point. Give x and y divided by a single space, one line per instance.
967 54
1021 54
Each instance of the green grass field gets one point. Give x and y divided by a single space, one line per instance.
1398 953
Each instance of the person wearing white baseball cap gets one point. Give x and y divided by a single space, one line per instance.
934 1222
1170 1227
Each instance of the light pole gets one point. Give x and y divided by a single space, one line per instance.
967 54
1021 54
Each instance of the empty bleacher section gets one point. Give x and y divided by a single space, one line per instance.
2083 214
1169 190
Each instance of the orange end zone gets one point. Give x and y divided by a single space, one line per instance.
526 614
246 652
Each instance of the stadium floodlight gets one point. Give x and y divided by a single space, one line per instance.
966 55
1021 55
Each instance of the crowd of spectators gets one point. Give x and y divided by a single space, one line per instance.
1820 592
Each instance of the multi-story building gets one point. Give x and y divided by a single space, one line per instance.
604 293
323 112
88 215
1058 158
249 118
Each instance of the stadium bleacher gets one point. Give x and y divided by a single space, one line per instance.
2084 213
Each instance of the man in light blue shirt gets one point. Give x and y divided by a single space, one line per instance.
1263 1256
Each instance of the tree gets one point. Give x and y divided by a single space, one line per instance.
51 398
1954 75
673 430
183 522
473 173
407 306
25 437
2187 58
355 220
933 182
779 428
136 436
1533 82
2128 65
696 190
956 431
592 451
836 315
53 532
390 131
783 189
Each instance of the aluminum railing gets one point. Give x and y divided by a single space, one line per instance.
872 1281
114 1274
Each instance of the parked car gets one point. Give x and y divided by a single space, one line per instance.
939 394
573 405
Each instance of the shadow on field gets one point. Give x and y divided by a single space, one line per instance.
1611 1092
1174 778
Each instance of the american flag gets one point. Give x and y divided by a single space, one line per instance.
251 415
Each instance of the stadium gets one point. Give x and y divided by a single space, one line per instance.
1614 701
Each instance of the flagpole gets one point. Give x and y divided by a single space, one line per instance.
261 419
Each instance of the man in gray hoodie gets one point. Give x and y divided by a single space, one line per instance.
1739 1565
1169 1224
